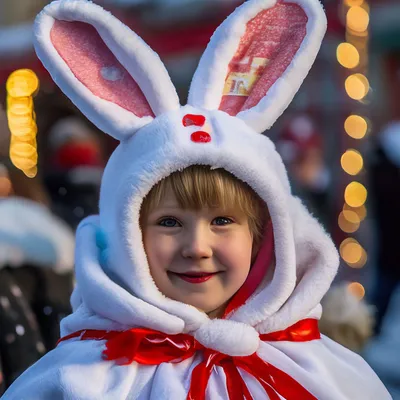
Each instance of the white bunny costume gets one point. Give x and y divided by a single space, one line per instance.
251 70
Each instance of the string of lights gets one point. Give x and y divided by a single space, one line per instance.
22 85
353 56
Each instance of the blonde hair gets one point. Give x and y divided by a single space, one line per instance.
200 186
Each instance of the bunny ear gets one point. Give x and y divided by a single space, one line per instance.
258 58
107 71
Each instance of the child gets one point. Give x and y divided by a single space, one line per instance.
214 272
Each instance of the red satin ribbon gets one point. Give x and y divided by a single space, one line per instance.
149 347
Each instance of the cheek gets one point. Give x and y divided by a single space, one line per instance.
236 253
160 250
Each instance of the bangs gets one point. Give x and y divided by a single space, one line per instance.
200 186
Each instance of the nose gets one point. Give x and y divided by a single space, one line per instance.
197 243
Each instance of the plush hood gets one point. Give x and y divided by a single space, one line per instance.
249 73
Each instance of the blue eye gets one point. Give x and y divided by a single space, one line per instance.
221 221
169 222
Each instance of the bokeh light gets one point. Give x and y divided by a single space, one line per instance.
356 126
352 3
357 86
347 55
355 194
5 186
21 86
360 211
348 221
361 262
351 251
352 162
357 19
356 289
22 83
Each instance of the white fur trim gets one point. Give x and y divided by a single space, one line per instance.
132 52
209 80
228 337
317 261
164 147
107 299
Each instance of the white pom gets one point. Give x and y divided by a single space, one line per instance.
228 337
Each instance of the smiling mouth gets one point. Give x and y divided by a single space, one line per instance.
195 277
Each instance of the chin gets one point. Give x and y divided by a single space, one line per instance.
201 306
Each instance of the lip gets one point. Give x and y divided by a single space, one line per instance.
195 277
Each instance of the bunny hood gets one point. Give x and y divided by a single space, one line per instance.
252 68
249 73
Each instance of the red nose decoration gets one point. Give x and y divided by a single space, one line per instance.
191 119
200 137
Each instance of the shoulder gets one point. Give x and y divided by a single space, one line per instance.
60 373
324 366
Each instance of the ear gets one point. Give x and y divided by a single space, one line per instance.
107 71
258 58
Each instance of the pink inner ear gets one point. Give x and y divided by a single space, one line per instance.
270 43
96 67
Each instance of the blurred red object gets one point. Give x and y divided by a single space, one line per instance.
72 155
297 138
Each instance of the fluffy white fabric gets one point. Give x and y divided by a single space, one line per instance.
124 295
142 63
75 370
228 337
209 80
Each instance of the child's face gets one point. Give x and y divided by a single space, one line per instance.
200 257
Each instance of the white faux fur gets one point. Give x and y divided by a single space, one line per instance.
123 294
228 337
208 82
165 146
132 52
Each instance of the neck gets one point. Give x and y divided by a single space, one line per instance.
218 312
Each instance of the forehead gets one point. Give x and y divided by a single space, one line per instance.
170 201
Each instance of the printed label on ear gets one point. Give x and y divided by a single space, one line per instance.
270 43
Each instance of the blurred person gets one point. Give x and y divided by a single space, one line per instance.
76 167
346 319
300 145
36 262
385 189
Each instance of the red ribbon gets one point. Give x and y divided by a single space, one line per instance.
149 347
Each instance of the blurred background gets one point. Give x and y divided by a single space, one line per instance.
340 140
